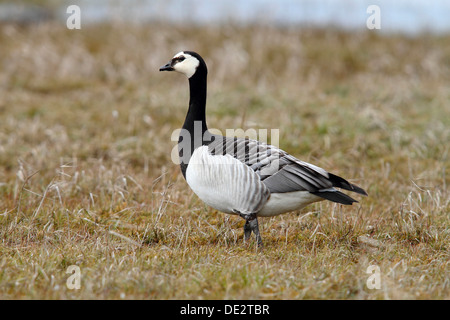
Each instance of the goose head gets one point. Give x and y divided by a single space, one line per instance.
185 62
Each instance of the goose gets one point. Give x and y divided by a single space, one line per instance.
241 176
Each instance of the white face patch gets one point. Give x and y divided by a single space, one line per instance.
188 66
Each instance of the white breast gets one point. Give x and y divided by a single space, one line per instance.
225 183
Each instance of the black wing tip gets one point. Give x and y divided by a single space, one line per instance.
359 190
335 196
344 184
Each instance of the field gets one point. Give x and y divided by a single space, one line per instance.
86 176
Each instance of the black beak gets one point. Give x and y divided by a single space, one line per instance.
167 67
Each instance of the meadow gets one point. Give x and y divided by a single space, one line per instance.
87 179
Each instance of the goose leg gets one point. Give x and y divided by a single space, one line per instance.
247 231
251 224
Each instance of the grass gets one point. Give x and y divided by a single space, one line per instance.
87 179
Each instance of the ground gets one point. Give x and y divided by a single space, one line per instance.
87 177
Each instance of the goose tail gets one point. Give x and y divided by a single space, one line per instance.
337 196
339 182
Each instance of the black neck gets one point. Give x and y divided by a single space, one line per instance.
197 102
195 132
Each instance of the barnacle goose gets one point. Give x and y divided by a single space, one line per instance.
242 176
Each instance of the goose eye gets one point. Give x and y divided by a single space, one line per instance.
179 59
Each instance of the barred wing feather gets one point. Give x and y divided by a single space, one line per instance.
282 172
225 183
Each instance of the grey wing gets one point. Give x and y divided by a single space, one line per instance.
282 172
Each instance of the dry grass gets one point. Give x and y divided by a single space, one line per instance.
86 176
